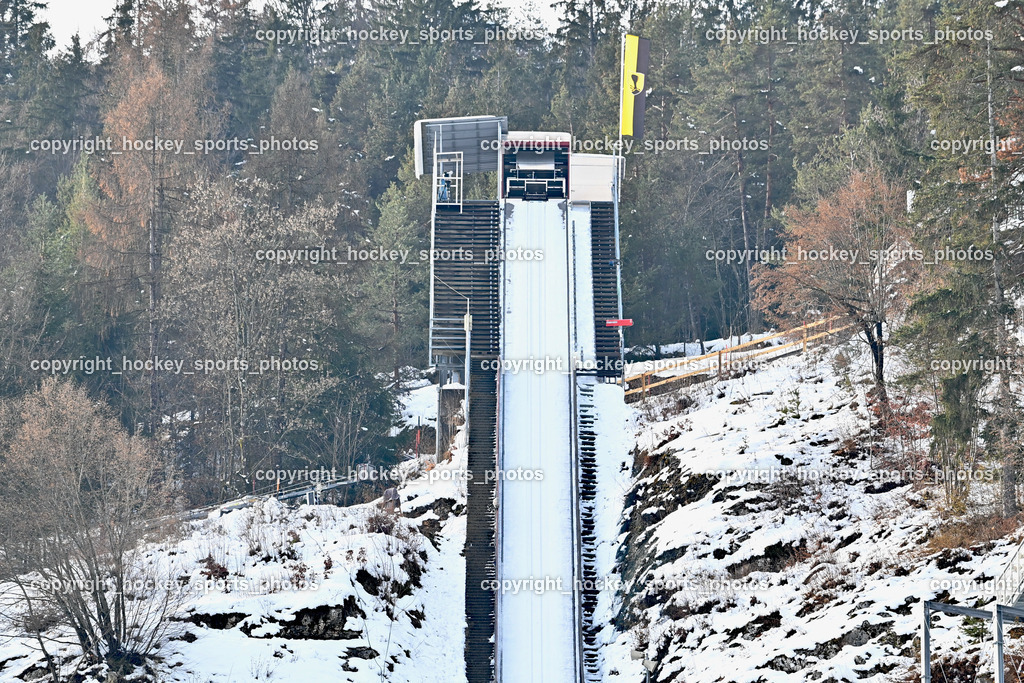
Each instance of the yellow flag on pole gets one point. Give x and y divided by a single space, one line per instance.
636 57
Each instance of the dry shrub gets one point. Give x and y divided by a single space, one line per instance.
76 492
381 521
964 533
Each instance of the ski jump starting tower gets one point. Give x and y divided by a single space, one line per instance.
525 292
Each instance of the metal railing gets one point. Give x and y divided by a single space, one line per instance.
998 616
448 179
1010 584
448 336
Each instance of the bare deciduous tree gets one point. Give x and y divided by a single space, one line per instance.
232 305
77 494
846 257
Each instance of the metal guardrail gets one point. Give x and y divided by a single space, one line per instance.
998 616
1010 584
448 336
248 500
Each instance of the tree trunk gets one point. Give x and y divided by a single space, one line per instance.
873 334
770 106
753 319
156 202
395 325
1005 406
689 308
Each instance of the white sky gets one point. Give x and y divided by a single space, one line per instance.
68 17
85 17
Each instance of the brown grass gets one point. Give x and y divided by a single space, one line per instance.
964 533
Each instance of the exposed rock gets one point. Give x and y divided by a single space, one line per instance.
219 622
326 622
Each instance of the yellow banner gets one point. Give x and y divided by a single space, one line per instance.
635 61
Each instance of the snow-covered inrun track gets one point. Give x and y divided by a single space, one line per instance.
537 624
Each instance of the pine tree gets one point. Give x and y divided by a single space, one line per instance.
299 159
245 72
24 42
969 92
394 293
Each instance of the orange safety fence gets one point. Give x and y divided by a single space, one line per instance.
645 378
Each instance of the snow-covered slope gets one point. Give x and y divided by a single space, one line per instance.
768 537
749 529
314 593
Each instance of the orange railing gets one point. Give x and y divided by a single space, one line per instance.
646 378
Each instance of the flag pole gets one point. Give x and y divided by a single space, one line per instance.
620 163
622 85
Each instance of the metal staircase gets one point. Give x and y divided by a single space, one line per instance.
608 343
474 230
480 525
473 226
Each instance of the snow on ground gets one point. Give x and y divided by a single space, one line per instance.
750 530
768 538
419 404
340 549
615 429
693 348
688 359
314 593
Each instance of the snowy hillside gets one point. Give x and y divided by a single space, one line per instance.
768 537
307 594
750 530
